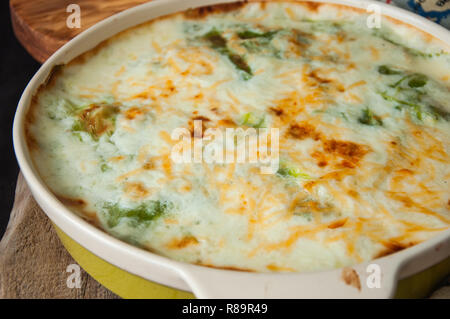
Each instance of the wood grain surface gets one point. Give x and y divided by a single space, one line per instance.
33 262
40 25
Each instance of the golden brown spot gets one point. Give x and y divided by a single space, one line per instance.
226 122
350 151
169 89
338 223
198 96
346 164
302 131
186 188
184 242
351 277
351 65
405 171
78 205
117 158
30 117
136 190
322 163
202 12
91 218
132 112
225 267
97 119
309 186
55 72
392 246
191 125
312 6
276 111
290 105
149 165
407 202
72 202
353 193
319 79
336 175
273 267
320 158
340 87
30 140
340 36
201 118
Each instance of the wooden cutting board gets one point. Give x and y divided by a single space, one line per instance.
40 25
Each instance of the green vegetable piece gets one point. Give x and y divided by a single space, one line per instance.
416 108
288 171
344 116
438 112
71 107
97 119
394 99
252 46
417 81
216 39
219 43
247 34
306 215
249 119
369 118
327 26
386 70
411 51
240 63
77 126
104 167
143 214
396 84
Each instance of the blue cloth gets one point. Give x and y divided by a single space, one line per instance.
435 10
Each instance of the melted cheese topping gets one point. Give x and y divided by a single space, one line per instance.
364 136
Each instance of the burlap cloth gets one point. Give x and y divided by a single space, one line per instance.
33 262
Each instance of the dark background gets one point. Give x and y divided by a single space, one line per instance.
16 69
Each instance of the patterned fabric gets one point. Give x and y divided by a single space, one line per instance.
435 10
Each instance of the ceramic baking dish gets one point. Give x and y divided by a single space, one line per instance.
202 281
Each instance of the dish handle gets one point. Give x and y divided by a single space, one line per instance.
361 281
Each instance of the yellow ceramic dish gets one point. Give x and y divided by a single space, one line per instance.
130 286
117 280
